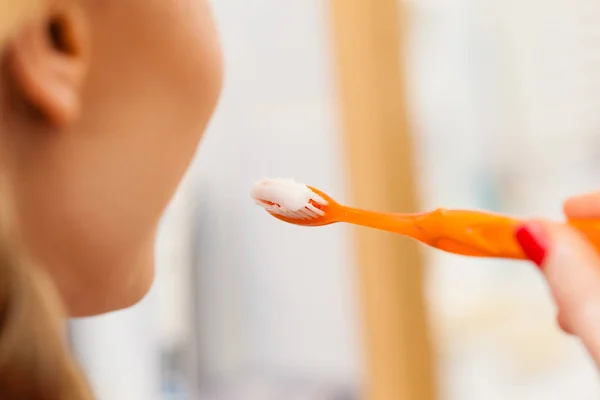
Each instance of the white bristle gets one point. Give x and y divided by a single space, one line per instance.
290 198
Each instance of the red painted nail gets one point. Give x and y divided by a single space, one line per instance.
533 241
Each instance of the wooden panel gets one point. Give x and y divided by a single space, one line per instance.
367 48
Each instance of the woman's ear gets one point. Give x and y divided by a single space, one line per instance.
48 60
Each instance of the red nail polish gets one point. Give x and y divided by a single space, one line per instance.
533 241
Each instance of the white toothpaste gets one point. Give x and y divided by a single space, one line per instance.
287 193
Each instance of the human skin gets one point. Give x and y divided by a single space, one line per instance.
571 266
102 106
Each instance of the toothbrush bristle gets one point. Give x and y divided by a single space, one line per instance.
288 198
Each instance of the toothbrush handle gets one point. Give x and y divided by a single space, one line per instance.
483 234
464 232
471 233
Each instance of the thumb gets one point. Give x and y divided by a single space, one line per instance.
572 268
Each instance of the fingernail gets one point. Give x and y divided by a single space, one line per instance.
533 241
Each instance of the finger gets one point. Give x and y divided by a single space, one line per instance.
583 206
572 268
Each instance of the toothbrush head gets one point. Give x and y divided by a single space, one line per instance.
292 202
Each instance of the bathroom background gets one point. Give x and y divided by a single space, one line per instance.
504 102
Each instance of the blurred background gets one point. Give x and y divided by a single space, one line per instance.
504 99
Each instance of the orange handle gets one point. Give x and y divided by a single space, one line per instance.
469 233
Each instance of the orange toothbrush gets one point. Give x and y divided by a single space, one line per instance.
469 233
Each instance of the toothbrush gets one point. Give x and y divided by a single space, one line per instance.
464 232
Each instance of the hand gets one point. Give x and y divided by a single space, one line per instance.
572 268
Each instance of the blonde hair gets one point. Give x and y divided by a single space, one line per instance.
35 361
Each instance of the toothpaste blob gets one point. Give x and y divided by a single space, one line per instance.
288 194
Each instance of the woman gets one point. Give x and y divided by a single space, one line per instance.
572 268
102 105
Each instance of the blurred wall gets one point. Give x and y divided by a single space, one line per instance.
274 298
